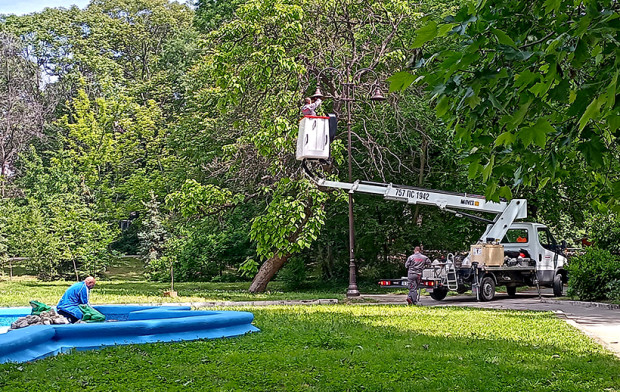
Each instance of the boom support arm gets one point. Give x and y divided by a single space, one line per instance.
506 212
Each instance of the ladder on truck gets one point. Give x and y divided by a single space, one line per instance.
451 280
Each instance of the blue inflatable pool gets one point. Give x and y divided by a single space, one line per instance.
132 325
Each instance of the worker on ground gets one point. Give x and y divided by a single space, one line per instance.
309 108
415 265
75 295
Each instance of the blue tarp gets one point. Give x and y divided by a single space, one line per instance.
137 324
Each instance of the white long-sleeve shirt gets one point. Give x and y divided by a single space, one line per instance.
309 109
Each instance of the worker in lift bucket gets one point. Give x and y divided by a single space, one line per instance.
309 108
415 265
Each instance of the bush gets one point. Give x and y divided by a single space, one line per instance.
293 274
594 275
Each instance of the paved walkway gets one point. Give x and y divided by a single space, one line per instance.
601 322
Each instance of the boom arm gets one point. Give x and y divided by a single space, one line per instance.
313 145
506 212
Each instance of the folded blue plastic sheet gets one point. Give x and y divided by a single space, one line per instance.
127 324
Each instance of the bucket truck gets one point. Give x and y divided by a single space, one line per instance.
508 253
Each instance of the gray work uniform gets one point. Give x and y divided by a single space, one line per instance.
415 265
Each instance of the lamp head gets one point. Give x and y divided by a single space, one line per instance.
378 95
317 93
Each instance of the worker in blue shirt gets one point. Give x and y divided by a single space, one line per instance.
75 295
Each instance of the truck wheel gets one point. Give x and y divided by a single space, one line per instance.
439 294
512 291
487 289
558 286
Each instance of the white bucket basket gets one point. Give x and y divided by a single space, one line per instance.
313 138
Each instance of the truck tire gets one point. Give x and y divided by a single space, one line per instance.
512 291
439 294
558 286
487 289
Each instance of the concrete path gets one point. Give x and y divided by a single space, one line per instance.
601 322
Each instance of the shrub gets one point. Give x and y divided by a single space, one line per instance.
293 274
594 275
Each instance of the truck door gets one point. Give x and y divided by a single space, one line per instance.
546 258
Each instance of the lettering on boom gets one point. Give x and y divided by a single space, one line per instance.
412 194
474 203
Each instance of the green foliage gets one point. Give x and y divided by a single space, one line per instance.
60 235
594 275
196 199
154 235
212 230
293 274
115 146
333 348
248 268
290 224
604 230
129 36
211 14
529 89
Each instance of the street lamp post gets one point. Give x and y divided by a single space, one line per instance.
348 96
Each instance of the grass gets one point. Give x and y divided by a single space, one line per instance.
347 348
19 291
322 348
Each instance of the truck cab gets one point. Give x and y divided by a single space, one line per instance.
536 239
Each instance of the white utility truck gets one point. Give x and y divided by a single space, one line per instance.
508 253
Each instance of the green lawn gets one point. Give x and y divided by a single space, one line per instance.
18 291
325 348
347 347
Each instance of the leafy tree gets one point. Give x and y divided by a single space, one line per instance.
211 245
23 107
111 42
56 224
154 235
604 231
244 109
211 14
530 91
61 236
117 148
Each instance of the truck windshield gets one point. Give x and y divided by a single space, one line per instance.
546 239
514 236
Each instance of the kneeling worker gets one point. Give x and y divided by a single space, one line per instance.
75 295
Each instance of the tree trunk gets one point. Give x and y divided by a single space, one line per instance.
77 277
266 272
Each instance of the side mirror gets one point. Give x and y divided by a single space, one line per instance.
563 244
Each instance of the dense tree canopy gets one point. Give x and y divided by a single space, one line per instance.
183 124
530 91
